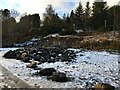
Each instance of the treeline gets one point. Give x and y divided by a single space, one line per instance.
99 17
13 32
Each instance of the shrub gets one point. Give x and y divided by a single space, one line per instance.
101 29
67 32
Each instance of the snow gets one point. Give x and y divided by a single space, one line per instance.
34 39
78 31
61 36
7 49
52 35
91 68
30 42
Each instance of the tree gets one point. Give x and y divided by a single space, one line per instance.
64 21
6 13
68 25
8 25
27 28
118 16
35 21
49 11
8 34
110 18
64 17
79 17
47 23
87 16
14 13
52 22
99 15
72 17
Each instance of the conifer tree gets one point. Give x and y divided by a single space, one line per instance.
99 15
79 16
87 16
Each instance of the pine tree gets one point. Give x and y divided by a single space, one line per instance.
110 18
79 17
64 21
117 17
87 16
72 17
64 17
99 15
113 13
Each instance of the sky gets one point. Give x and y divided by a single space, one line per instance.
38 6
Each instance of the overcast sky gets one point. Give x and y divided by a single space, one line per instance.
38 6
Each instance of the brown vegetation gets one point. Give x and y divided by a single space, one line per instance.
96 41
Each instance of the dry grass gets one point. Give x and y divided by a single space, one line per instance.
93 41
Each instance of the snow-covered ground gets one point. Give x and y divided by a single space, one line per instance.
4 81
89 68
27 43
7 49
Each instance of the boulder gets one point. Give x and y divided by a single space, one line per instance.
37 57
10 55
68 55
18 56
33 64
23 55
45 54
81 54
59 77
103 86
26 59
47 71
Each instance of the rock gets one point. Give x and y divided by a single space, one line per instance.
49 59
18 56
68 55
46 54
56 50
23 55
59 77
65 57
33 61
73 66
26 59
37 57
37 68
81 54
103 86
33 64
10 55
47 71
